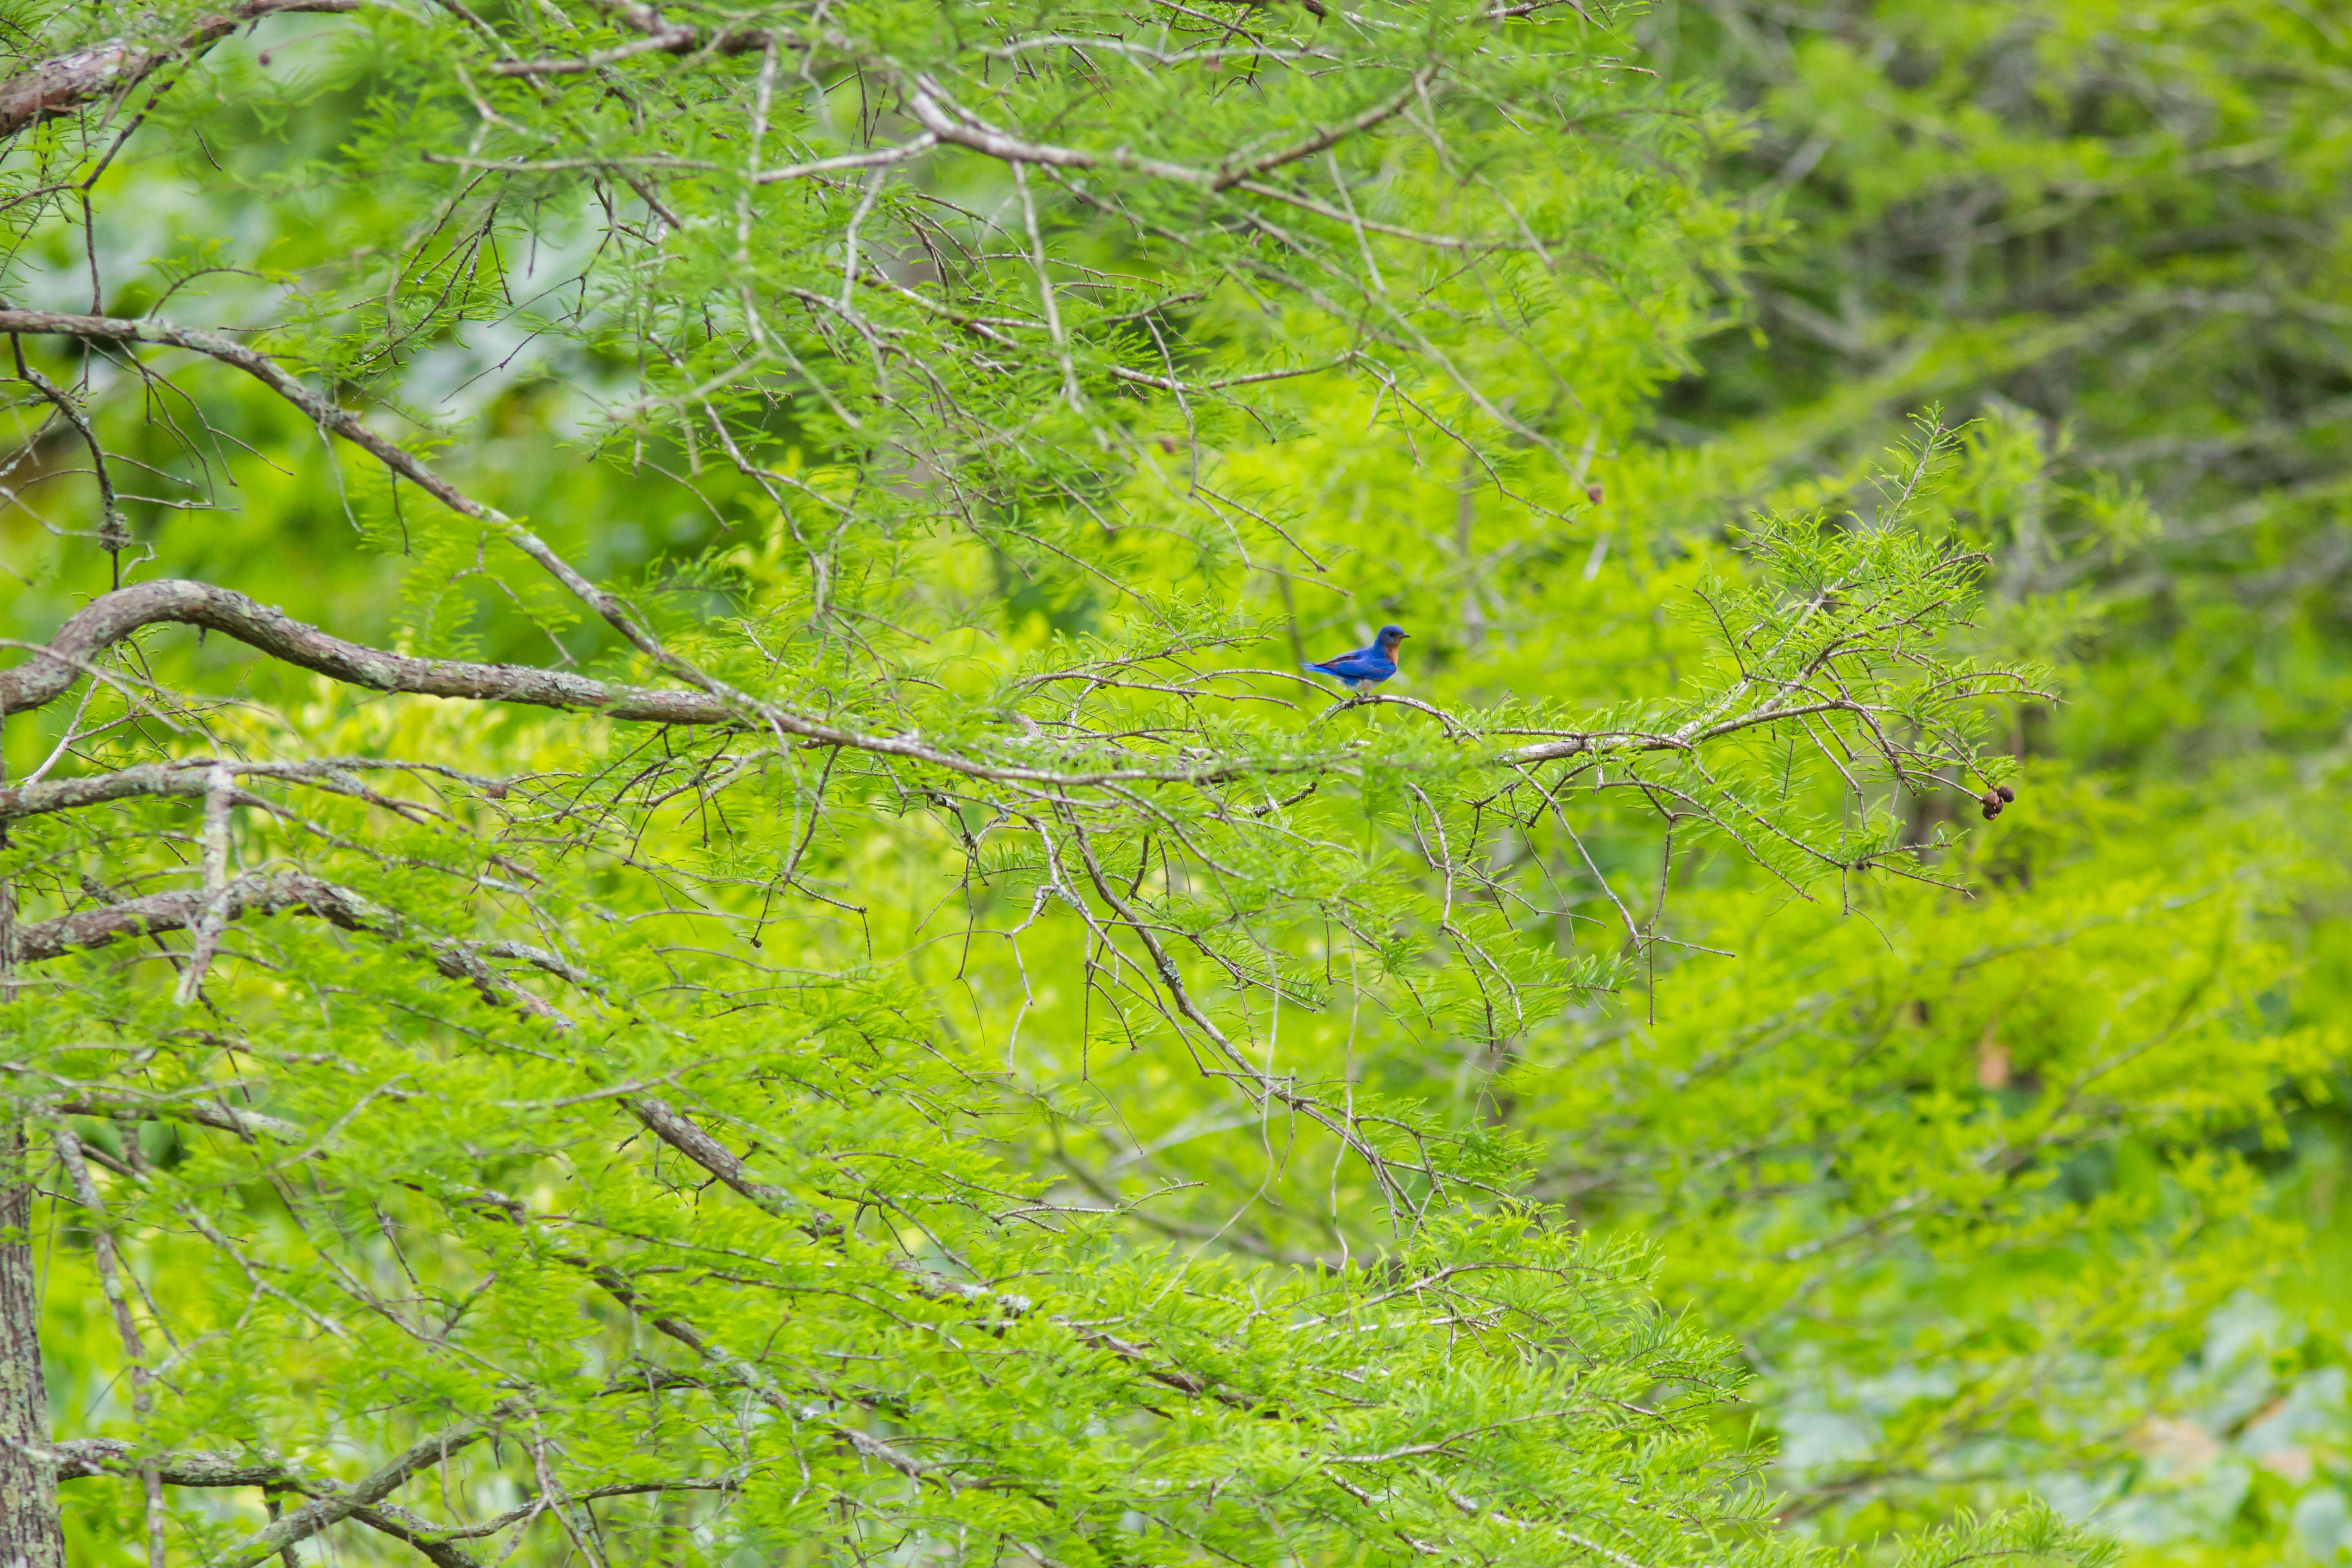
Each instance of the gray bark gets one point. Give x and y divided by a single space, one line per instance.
66 83
29 1534
111 617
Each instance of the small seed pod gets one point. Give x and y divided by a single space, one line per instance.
2005 793
1991 804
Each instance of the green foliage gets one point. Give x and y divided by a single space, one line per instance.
2116 238
1033 1079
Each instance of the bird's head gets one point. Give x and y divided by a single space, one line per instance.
1391 635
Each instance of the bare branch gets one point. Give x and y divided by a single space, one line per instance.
111 617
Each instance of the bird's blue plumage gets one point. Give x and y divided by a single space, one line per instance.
1367 667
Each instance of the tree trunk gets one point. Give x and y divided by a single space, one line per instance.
29 1536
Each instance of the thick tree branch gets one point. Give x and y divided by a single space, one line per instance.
81 1458
276 892
108 620
403 1525
111 617
301 1523
258 893
63 83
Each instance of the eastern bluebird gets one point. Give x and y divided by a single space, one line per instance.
1366 668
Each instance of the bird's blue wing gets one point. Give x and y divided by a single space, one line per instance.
1355 666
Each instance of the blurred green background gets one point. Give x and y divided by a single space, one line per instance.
2119 230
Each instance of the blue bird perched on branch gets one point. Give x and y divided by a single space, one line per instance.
1367 667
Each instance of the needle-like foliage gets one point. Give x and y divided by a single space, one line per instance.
612 1099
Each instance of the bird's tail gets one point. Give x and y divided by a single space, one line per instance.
1314 669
